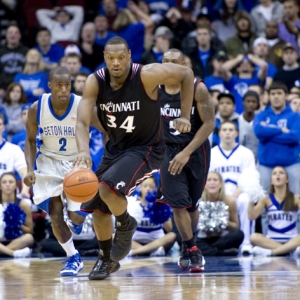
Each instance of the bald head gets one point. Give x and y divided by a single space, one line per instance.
174 56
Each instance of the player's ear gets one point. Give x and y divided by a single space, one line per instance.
49 85
129 53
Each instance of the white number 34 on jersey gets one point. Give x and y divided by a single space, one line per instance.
127 124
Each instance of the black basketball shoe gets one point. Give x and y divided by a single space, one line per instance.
121 244
183 259
197 261
102 268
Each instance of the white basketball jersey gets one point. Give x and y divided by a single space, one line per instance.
12 158
282 225
230 164
57 133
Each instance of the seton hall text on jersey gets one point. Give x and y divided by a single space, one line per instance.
59 131
168 111
119 107
232 169
280 216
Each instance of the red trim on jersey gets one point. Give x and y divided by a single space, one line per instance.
144 86
158 201
204 180
103 182
91 211
138 169
160 129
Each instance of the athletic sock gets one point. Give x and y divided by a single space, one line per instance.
69 247
123 218
105 247
190 243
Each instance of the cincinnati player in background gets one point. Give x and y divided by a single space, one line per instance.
186 163
53 118
126 96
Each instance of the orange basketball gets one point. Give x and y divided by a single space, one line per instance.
80 185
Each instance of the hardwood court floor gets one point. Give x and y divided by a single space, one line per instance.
154 279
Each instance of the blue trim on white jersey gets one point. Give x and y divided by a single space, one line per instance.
283 230
231 181
279 206
38 113
60 118
2 144
45 206
233 150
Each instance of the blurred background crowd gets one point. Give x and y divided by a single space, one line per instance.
240 48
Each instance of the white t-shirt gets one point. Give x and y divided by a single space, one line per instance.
266 11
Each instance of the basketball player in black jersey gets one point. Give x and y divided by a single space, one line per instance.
126 97
186 163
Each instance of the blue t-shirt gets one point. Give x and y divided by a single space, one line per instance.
238 87
96 147
30 82
55 53
161 6
214 83
134 35
272 70
19 139
204 55
158 56
102 41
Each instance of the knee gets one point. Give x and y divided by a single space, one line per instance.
28 239
105 193
57 218
254 239
76 218
170 237
100 218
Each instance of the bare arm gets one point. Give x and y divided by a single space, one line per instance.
255 211
85 113
140 15
95 121
169 74
233 222
28 226
263 66
229 65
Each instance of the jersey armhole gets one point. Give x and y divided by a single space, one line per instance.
144 86
38 113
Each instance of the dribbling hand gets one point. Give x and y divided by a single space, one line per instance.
182 125
83 160
29 179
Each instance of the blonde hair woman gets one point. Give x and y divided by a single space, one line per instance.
282 211
227 241
33 79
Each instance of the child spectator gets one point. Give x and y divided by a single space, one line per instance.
16 224
295 104
14 99
282 210
231 237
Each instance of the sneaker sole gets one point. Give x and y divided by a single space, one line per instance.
113 268
124 254
71 273
180 266
196 269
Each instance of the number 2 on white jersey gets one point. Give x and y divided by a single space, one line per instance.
127 124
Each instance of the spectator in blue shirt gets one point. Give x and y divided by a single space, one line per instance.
261 50
245 67
102 32
51 53
278 131
33 79
216 81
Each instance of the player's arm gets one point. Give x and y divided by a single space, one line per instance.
206 112
30 144
233 222
155 74
85 113
28 226
255 211
95 121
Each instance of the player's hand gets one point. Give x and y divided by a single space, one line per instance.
83 160
182 124
178 162
29 178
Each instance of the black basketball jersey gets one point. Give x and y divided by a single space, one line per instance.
128 115
170 109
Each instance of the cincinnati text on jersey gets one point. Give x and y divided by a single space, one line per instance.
119 107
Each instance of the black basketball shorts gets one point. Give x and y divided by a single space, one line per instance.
123 171
183 191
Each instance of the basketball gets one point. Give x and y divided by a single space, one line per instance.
80 185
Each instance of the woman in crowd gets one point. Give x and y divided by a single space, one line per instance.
228 241
282 211
16 224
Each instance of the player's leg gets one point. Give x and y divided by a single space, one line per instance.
63 234
103 227
194 220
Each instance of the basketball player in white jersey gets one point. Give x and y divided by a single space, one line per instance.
230 159
282 210
12 159
53 118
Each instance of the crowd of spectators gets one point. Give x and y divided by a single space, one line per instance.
240 48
